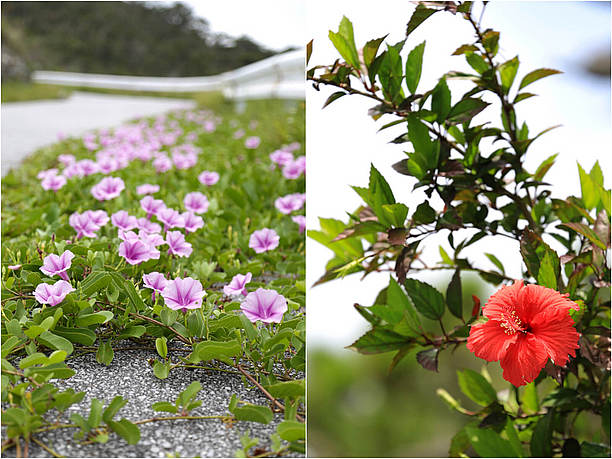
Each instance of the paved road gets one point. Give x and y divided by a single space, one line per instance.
27 126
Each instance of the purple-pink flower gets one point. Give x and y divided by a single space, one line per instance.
170 218
53 182
239 133
134 251
300 220
66 159
208 178
196 202
162 163
108 188
124 221
52 294
192 222
177 245
263 240
155 281
289 203
151 205
87 167
293 169
281 157
46 173
183 294
54 265
98 217
238 285
148 226
147 188
252 142
83 225
265 305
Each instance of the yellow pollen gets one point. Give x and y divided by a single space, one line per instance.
512 324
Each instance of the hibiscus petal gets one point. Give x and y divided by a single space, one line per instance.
524 360
554 329
489 340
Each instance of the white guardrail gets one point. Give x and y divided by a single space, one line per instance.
280 76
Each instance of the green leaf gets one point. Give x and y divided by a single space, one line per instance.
476 387
380 193
397 297
496 262
95 282
414 66
82 336
100 317
536 75
253 413
424 214
477 62
287 389
589 449
488 443
542 435
54 341
105 353
586 232
378 340
127 286
464 110
421 13
590 196
370 50
391 74
95 413
133 331
546 274
248 327
127 430
344 42
111 410
533 250
164 406
161 370
544 167
189 394
161 346
454 296
426 299
523 96
507 72
219 350
441 100
530 398
395 214
419 136
335 96
37 358
291 430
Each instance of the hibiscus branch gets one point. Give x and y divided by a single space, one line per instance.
265 392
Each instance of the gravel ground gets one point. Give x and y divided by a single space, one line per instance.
27 126
130 376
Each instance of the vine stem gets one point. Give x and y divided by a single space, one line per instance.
46 448
153 321
265 392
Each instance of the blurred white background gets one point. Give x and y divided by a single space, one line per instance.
342 140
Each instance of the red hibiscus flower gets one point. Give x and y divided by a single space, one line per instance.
528 324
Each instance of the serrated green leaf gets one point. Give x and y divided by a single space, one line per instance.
454 295
414 67
379 340
507 72
535 75
441 100
426 299
420 14
344 42
464 110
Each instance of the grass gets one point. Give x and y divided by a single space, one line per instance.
17 91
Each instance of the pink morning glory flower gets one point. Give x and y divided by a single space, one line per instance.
281 157
66 159
238 285
162 163
52 294
108 164
155 281
46 173
239 133
72 170
148 226
177 245
300 220
54 265
61 136
210 126
98 217
208 178
183 294
14 267
192 221
196 202
53 182
265 305
184 161
151 205
147 188
134 251
87 167
83 225
289 203
170 218
293 146
108 188
263 240
252 142
293 170
124 221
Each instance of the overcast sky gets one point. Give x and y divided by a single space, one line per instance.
275 24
